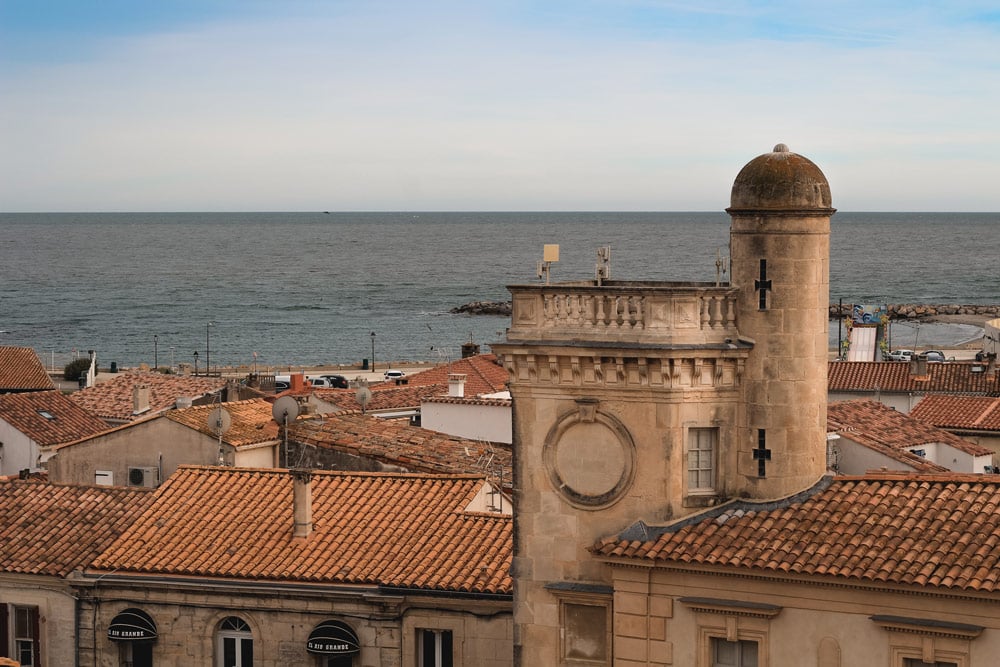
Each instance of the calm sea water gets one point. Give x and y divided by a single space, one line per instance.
310 288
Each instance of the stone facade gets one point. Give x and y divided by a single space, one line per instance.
188 615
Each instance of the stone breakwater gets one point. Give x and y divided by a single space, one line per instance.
922 311
897 311
484 308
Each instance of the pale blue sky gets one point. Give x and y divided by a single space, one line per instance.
228 105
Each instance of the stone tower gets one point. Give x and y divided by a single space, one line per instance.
639 403
780 250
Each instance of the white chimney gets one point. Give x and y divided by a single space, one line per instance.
456 385
302 501
140 399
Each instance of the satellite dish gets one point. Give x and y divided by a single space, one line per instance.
285 408
219 421
363 395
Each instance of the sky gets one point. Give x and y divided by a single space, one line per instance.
492 105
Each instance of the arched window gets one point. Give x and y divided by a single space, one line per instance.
234 643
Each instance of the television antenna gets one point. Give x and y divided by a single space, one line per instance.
220 421
721 267
603 271
285 410
550 255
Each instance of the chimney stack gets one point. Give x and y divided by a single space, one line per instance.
302 501
140 399
456 385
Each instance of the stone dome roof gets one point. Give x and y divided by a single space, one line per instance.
780 180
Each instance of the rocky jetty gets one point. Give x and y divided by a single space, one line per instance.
484 308
924 311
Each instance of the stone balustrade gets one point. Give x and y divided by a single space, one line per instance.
685 313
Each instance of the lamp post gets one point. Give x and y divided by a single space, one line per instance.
171 358
373 351
196 362
155 358
208 350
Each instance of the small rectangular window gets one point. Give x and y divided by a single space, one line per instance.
741 653
26 635
435 648
702 446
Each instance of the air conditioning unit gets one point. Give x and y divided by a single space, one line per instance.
148 477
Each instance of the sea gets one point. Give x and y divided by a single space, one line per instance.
296 290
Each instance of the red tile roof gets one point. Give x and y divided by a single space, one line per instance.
26 413
53 529
894 376
483 375
872 423
973 413
21 370
409 447
384 396
927 531
112 400
407 531
251 421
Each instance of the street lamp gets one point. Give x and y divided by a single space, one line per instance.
196 362
373 351
208 350
155 358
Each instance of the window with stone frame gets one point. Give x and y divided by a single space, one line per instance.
435 648
19 633
702 454
740 653
586 633
235 643
914 662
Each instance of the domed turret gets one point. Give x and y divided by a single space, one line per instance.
780 181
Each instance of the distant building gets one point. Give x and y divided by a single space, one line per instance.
872 436
974 418
147 452
139 395
21 370
33 424
902 385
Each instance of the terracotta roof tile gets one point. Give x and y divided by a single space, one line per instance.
384 396
483 375
932 531
53 529
48 417
112 400
974 413
407 531
894 376
871 422
252 422
22 370
410 447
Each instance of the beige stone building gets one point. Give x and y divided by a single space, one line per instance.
278 568
672 500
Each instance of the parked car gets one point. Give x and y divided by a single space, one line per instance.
392 376
320 382
934 355
900 355
281 385
338 381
